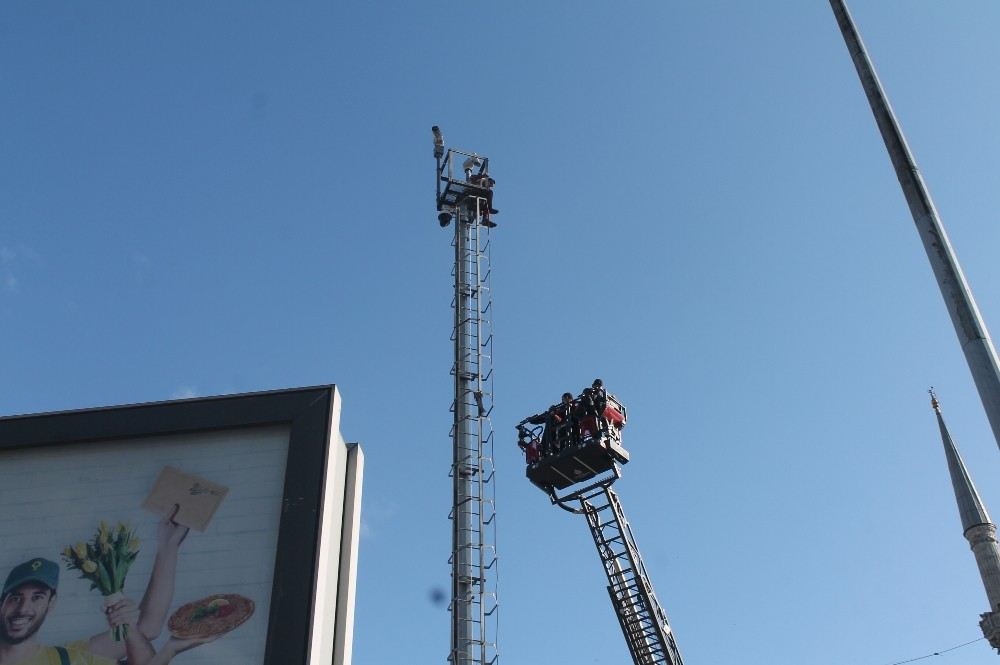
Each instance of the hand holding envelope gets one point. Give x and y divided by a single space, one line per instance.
190 499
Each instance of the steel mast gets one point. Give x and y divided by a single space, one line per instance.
465 197
969 326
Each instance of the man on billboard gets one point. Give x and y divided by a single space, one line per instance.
29 592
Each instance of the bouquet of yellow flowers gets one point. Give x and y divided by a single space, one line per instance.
104 561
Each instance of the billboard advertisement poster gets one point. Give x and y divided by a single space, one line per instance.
186 532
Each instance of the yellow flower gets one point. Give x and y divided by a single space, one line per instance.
81 550
68 553
89 566
133 544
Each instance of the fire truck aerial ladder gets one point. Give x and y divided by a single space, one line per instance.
574 454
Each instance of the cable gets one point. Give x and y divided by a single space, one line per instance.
937 653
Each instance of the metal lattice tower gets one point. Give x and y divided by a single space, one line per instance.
465 197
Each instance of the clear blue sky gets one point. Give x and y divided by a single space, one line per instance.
202 198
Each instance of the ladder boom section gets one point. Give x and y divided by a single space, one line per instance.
644 624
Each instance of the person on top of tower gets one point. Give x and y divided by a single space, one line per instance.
485 183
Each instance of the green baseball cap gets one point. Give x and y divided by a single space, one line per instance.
38 570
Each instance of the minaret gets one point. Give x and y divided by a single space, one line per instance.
977 528
969 326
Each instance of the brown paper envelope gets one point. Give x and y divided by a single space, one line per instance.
198 498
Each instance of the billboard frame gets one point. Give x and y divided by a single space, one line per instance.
308 413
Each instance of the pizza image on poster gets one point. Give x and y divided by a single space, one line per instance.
210 616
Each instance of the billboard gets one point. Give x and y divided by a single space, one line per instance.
219 530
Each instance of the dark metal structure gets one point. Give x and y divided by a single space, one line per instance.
587 464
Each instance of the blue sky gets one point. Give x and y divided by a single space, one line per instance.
695 205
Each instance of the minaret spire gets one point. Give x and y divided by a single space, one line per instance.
972 334
976 527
